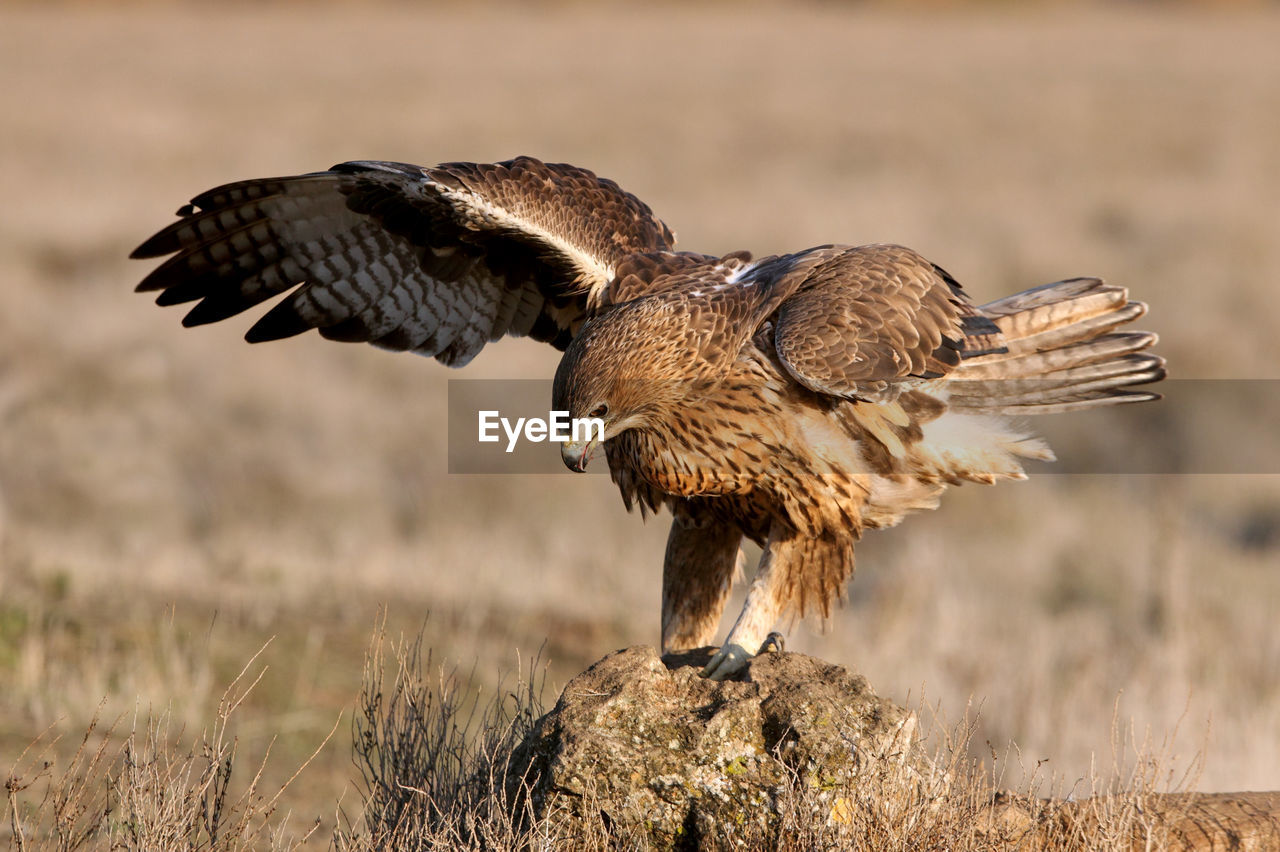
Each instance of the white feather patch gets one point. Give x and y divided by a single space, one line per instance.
978 447
594 271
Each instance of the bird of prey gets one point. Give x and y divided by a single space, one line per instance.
793 400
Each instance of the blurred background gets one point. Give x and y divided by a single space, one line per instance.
172 499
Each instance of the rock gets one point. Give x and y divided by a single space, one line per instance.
655 752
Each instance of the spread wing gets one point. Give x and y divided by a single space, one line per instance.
850 320
435 260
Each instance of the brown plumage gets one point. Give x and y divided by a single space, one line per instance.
793 400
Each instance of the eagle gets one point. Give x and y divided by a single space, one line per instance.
794 400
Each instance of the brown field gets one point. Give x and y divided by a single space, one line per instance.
170 500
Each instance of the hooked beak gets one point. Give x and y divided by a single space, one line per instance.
576 454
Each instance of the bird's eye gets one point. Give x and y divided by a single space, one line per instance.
599 411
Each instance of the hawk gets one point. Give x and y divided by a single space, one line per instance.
793 400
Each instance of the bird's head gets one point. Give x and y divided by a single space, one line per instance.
624 370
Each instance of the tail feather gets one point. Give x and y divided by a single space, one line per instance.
1114 345
1054 305
1136 369
1098 399
1061 353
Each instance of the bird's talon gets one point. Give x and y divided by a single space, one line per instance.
728 661
774 643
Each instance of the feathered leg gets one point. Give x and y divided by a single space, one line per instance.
795 571
703 555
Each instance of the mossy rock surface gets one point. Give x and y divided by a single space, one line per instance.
655 750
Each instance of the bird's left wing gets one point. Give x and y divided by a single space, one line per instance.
435 260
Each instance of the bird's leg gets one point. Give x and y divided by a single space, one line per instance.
759 613
702 559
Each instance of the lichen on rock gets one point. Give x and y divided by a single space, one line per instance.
652 749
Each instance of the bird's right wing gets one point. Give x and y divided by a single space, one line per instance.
851 319
435 260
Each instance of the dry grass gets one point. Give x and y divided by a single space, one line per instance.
433 758
158 789
171 499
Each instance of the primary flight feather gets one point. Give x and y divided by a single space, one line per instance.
793 400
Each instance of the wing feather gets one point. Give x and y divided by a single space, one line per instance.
436 260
